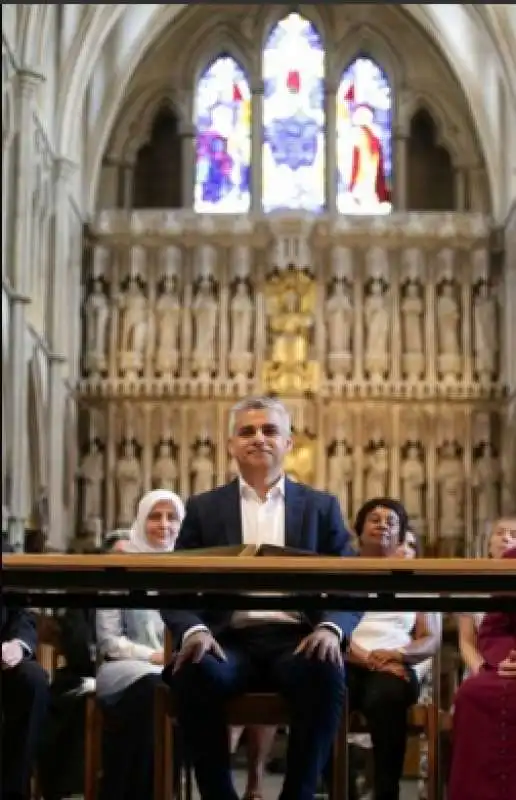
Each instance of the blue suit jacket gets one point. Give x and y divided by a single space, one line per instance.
313 522
16 623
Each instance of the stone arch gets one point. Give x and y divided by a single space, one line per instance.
366 41
271 17
463 60
222 40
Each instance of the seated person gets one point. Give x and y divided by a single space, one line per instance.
385 652
24 699
130 644
483 766
297 655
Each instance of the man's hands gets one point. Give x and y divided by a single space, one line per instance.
195 647
507 667
324 643
12 654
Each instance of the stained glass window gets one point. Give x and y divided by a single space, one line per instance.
364 140
293 117
223 142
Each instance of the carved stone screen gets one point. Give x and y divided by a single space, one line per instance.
383 335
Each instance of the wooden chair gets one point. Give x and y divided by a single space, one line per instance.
257 708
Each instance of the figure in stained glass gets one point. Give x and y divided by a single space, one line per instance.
223 140
364 140
293 117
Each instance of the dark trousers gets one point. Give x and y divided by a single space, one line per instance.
384 700
128 743
259 658
24 704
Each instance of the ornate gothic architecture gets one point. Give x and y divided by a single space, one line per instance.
203 202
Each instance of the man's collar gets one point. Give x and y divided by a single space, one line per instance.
276 488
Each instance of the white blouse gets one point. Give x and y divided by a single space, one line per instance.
384 630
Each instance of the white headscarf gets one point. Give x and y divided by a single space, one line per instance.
138 541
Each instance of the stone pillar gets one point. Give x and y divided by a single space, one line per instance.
125 185
60 314
331 149
256 147
400 189
108 190
21 272
188 163
461 189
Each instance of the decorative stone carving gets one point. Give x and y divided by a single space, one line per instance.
450 477
377 331
300 462
486 339
129 483
339 315
164 471
412 328
91 475
448 336
412 474
291 300
168 325
134 328
202 468
205 312
242 315
97 319
376 471
341 469
486 476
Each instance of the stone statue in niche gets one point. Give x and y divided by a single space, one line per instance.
202 468
129 483
486 475
91 475
450 477
134 328
339 315
448 332
412 330
164 470
412 474
340 474
205 314
168 324
97 319
485 333
241 316
377 331
376 471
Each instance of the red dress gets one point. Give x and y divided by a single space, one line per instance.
484 720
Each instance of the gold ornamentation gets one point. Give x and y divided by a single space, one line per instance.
300 462
291 300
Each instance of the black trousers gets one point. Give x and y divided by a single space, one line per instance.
128 743
24 705
384 700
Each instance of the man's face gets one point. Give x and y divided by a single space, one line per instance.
260 440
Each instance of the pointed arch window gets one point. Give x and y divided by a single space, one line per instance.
293 147
364 139
222 119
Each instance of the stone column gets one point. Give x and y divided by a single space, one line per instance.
256 147
109 180
125 185
188 163
60 314
400 155
21 272
331 149
461 189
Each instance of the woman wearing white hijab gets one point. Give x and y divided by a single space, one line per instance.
130 647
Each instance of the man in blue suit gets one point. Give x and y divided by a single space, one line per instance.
24 699
299 655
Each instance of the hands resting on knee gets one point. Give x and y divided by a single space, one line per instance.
323 643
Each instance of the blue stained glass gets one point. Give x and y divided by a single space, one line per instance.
364 140
293 117
223 140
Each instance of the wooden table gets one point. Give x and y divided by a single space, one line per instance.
186 580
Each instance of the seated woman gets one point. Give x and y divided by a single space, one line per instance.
385 650
483 765
130 645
